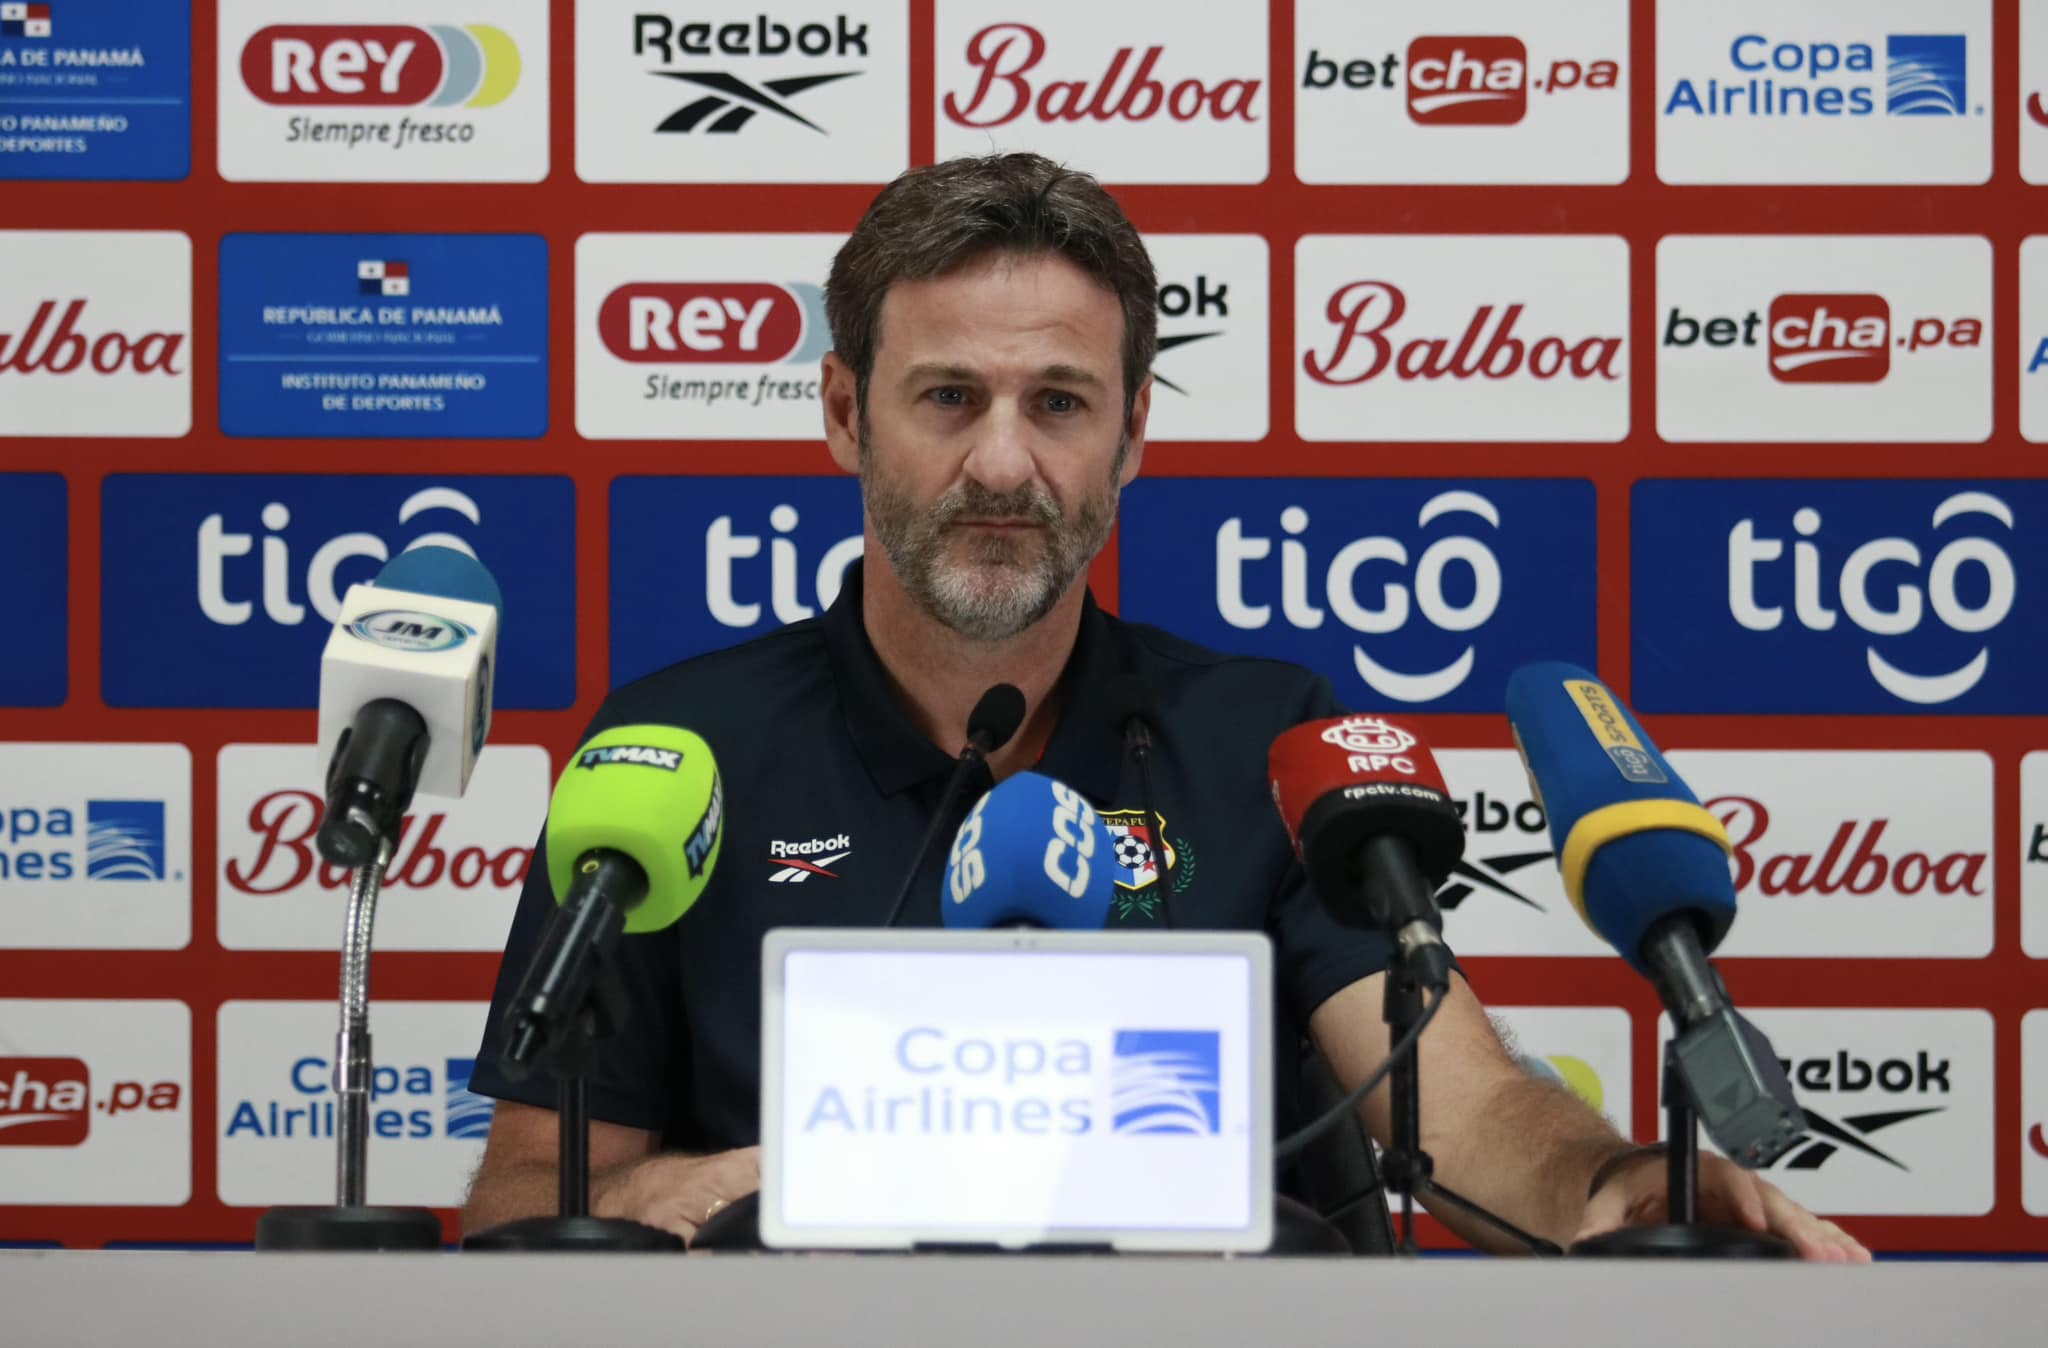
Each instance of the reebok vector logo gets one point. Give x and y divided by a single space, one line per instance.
799 860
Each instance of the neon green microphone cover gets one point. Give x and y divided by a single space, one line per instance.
652 792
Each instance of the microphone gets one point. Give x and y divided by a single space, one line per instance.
994 719
1135 707
1367 811
1647 867
1031 853
405 695
617 866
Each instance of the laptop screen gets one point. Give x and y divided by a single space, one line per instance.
1017 1088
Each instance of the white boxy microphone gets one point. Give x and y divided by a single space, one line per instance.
405 694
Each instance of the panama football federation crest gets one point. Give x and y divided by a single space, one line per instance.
1138 862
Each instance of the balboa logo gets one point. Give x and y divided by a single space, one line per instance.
284 824
1852 862
411 630
1362 347
715 322
48 1102
1003 57
1825 339
381 65
75 344
640 755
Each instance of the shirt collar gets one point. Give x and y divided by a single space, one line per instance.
1085 751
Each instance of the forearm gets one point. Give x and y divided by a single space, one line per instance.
506 1193
1528 1155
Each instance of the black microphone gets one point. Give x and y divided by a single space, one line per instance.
989 726
1135 707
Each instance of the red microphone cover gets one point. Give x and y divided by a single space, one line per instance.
1339 783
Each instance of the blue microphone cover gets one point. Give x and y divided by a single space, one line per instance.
1031 852
444 573
1633 842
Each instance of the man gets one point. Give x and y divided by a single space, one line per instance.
994 327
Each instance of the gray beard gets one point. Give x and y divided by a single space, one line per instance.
991 587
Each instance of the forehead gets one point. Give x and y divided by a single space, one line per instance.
1037 308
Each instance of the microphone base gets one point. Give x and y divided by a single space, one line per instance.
1672 1241
350 1228
574 1234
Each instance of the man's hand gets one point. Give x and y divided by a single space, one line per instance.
678 1193
1729 1196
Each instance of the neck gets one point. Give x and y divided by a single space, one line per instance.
939 674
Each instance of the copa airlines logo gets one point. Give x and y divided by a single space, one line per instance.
381 65
1461 338
1858 94
1407 594
410 630
1875 609
941 1084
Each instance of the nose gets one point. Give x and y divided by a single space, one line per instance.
1001 459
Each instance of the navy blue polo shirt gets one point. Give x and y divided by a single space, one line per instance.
829 788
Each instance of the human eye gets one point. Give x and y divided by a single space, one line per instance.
948 395
1062 403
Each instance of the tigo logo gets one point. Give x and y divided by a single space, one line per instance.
727 323
371 65
1166 1081
25 20
242 577
1412 594
1874 604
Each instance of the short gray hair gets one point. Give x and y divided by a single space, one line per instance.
933 219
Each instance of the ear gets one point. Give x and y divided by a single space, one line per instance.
1141 411
839 392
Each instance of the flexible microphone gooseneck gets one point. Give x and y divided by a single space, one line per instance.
990 725
1135 708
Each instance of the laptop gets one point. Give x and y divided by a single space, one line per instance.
1016 1090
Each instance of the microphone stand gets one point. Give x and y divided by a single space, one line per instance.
1683 1235
1406 1169
351 1224
583 935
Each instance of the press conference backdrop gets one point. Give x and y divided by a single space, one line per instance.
1704 343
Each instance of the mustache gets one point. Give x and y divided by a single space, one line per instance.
1030 504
